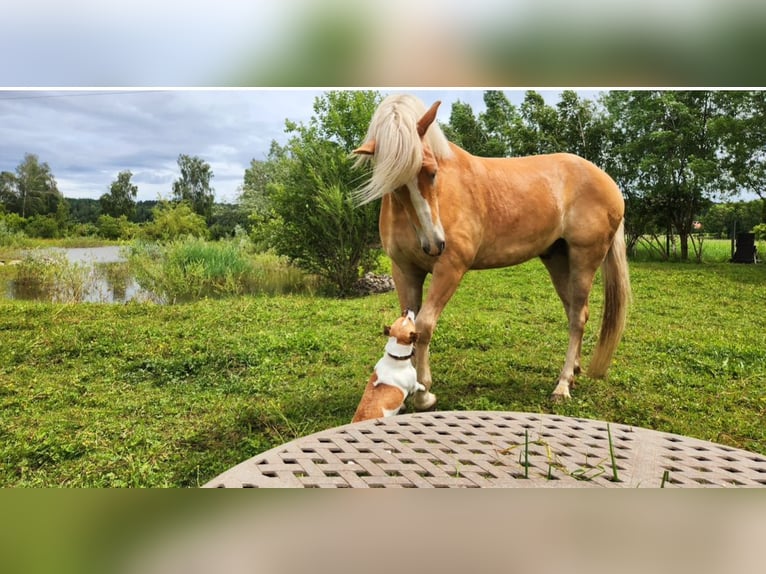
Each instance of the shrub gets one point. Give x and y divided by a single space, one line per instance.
174 220
115 227
11 226
43 226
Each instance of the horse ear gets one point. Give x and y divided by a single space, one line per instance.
367 148
428 118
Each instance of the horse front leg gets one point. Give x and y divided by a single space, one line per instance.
445 280
409 287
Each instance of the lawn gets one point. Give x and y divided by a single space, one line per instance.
152 395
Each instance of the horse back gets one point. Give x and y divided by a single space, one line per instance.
509 210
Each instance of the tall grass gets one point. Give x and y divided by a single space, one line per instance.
46 275
190 268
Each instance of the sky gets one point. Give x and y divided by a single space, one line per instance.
88 136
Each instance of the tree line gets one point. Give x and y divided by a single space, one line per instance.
30 202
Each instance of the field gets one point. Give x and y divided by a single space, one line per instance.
158 396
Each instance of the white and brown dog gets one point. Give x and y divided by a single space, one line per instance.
394 377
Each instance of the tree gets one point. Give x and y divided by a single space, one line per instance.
121 198
111 227
8 194
465 130
539 130
491 134
84 210
254 194
306 191
193 186
742 129
32 190
581 127
620 160
500 121
667 155
722 219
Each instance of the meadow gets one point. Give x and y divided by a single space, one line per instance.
148 395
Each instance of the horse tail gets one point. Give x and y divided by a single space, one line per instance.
617 296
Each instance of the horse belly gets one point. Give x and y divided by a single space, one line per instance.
512 250
511 236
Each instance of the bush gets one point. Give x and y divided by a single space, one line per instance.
173 221
43 226
11 234
115 227
325 234
83 230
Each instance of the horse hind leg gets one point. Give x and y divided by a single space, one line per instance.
572 275
556 261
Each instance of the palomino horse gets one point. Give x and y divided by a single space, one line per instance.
445 211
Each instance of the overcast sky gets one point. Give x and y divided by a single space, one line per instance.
88 136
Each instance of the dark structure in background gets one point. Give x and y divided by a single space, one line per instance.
745 251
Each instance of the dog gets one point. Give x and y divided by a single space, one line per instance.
394 376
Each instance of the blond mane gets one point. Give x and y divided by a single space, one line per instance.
398 153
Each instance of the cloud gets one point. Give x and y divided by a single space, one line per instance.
88 137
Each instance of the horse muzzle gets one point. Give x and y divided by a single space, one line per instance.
434 250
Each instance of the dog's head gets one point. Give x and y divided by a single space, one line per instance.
403 329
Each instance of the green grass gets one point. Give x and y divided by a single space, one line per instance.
152 395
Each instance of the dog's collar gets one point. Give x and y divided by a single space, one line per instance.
399 352
404 358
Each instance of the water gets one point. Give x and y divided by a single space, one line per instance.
108 279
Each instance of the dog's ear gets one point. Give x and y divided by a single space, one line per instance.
386 330
413 337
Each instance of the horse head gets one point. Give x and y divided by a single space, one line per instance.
416 188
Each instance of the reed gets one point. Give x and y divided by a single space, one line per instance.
190 268
50 276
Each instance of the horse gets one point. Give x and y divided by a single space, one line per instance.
445 211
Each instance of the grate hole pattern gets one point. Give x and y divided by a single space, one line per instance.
487 449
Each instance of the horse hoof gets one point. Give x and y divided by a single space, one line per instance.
423 400
561 394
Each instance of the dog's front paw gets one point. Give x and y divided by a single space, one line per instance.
423 400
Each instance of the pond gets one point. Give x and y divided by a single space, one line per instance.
105 277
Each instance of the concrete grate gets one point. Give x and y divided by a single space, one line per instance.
479 449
